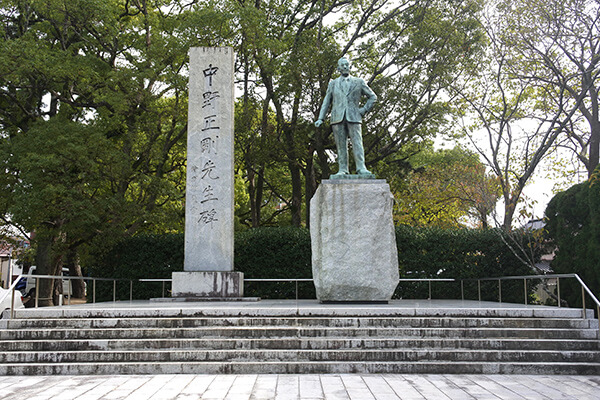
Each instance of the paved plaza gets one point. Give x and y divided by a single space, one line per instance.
305 387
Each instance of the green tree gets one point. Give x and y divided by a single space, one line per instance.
447 188
407 51
93 117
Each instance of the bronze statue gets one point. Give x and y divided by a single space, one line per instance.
343 96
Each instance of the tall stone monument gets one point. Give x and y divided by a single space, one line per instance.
208 260
354 254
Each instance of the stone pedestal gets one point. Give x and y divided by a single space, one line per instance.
354 253
209 284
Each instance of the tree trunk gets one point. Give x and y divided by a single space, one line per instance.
323 159
594 147
252 194
260 184
310 184
296 203
77 285
255 192
45 266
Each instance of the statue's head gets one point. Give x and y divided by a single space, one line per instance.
344 66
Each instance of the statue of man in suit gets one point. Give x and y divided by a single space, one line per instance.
343 96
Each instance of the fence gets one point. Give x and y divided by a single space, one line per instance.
584 288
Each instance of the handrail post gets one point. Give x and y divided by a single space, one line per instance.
525 285
163 289
462 290
94 290
37 291
499 291
558 289
130 291
114 290
12 304
479 289
583 302
429 290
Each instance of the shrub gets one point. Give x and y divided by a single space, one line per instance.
259 253
461 254
282 252
285 253
142 256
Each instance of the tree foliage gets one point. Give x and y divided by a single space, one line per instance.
446 188
407 51
93 110
93 117
557 46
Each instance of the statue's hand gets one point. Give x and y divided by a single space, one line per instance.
362 111
318 123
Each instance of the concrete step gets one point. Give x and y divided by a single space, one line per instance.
301 343
129 310
383 322
302 367
283 338
287 355
287 332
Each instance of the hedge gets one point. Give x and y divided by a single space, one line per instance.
461 254
275 253
284 252
138 257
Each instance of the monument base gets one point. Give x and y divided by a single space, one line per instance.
207 284
201 299
352 176
354 253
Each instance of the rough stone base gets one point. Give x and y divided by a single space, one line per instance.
354 254
210 284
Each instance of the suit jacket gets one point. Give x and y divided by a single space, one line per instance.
346 103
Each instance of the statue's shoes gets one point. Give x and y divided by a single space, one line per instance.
364 172
339 174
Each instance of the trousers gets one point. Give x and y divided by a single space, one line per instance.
341 132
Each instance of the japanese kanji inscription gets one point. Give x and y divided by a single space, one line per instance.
209 190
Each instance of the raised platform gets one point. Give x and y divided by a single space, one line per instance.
275 308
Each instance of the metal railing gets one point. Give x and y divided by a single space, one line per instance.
158 280
428 280
280 280
12 288
584 288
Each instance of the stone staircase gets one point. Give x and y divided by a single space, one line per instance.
293 340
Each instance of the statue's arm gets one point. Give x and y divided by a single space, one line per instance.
325 106
371 98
